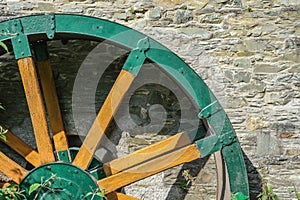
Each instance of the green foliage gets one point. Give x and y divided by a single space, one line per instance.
44 185
188 180
232 197
96 193
11 192
2 130
267 193
3 46
294 190
2 134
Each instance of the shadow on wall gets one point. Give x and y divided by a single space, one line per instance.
195 167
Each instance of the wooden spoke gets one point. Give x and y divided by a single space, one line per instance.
170 144
119 196
3 185
103 119
154 166
22 148
36 108
11 169
49 90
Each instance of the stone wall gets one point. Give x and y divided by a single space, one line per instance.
247 51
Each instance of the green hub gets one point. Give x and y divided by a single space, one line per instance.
59 181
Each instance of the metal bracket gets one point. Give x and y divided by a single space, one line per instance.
19 40
227 139
137 57
50 20
98 173
214 143
64 155
209 145
210 110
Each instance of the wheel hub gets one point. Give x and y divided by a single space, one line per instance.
59 181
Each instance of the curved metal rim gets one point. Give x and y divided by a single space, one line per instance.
175 66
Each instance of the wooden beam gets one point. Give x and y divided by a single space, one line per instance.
119 196
36 108
46 75
11 169
162 147
103 119
154 166
22 148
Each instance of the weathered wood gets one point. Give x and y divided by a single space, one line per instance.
11 169
154 166
46 75
162 147
103 119
36 108
119 196
22 148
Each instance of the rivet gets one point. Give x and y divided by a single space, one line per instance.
70 183
63 153
19 40
136 57
22 53
76 171
48 167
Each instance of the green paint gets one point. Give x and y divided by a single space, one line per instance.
58 181
60 25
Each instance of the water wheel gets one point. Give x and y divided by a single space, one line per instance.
62 172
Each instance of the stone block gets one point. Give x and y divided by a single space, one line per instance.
196 32
255 45
269 68
242 62
268 144
253 87
256 122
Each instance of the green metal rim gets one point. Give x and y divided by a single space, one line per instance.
49 26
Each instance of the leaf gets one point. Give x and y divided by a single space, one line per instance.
3 46
87 194
3 137
34 187
269 189
276 197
